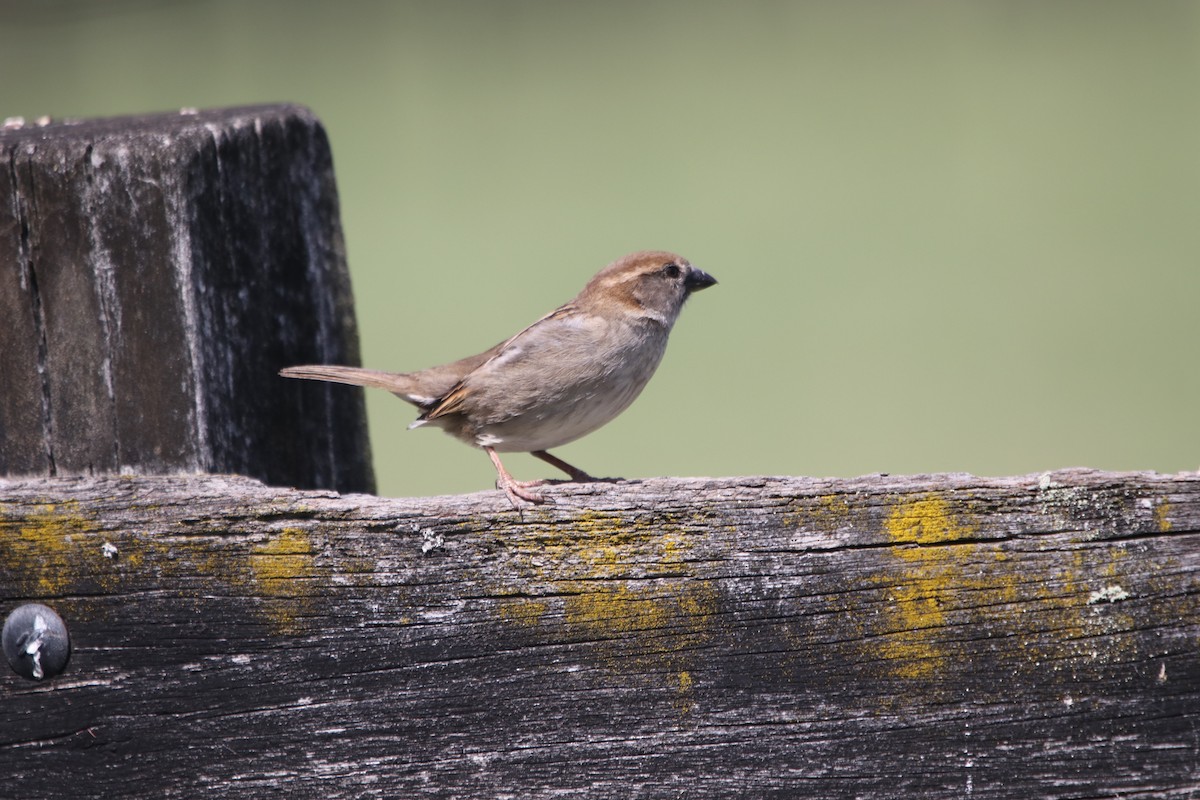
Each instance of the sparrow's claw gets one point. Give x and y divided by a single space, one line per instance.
518 492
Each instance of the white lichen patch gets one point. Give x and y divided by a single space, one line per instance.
1112 593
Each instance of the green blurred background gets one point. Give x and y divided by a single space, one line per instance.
951 236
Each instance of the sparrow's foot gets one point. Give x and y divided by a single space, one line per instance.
577 475
519 492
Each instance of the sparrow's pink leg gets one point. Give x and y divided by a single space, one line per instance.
576 474
517 491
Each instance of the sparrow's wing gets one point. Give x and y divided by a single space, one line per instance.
431 386
453 400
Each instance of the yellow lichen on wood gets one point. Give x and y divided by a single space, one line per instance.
1085 599
284 570
927 578
598 578
829 513
677 609
45 551
523 611
831 510
943 579
685 700
1162 516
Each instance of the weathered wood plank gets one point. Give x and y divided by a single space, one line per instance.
158 272
24 447
932 636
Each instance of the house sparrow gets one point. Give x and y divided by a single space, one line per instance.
561 378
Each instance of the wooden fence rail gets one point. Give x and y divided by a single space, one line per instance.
936 636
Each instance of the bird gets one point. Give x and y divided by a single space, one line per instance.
559 379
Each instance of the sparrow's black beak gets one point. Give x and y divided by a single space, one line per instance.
698 279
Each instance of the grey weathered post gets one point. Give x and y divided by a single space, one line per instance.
155 273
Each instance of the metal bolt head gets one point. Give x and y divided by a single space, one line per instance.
35 642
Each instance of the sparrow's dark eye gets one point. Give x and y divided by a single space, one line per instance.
671 270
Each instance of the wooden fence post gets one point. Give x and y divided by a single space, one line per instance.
155 273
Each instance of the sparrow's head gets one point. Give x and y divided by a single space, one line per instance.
650 283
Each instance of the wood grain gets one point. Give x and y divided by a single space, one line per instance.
881 637
155 274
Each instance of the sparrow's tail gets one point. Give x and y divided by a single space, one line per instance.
402 385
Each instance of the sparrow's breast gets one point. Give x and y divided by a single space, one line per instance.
566 385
